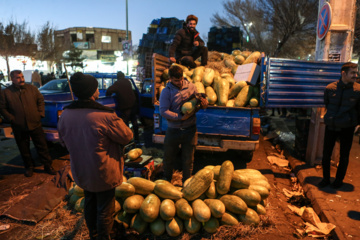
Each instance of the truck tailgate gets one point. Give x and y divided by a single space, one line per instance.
222 121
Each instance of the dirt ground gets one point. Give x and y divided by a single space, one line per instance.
63 223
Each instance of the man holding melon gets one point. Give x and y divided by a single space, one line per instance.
342 102
187 45
94 135
179 102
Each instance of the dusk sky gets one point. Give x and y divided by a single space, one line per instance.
107 13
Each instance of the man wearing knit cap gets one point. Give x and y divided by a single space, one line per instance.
94 136
187 45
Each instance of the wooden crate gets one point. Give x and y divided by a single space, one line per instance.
316 137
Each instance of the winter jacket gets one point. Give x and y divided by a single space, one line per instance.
124 94
342 102
94 136
183 43
22 106
171 100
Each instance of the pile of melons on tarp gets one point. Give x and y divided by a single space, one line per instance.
216 79
214 196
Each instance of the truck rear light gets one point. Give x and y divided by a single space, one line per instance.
156 120
59 112
256 126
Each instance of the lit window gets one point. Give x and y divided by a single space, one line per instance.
106 39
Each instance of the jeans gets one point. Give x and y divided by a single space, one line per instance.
179 142
189 61
22 138
99 210
346 138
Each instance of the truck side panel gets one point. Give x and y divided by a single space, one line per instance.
294 83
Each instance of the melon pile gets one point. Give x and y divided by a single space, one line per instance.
216 79
214 196
77 200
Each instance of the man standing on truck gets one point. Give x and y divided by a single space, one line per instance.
187 45
23 106
126 101
181 129
94 136
342 102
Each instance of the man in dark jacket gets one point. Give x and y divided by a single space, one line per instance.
94 136
187 45
126 101
23 106
342 102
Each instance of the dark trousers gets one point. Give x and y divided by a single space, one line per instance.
130 115
22 138
99 210
345 136
179 142
189 60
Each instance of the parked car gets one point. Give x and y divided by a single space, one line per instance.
55 86
1 76
3 86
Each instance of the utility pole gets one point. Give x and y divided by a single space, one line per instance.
127 37
334 42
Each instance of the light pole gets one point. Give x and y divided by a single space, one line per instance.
247 26
127 37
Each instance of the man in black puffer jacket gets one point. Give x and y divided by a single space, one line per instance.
187 45
342 102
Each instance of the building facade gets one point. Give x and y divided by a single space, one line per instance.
103 49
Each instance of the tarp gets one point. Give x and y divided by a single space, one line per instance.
41 202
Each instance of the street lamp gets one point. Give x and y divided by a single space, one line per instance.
24 62
247 26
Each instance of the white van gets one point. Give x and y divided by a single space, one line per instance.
27 75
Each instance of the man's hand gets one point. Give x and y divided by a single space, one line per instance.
204 103
172 60
196 43
186 116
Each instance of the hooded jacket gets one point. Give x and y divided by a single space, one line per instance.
171 100
94 136
22 106
183 42
342 102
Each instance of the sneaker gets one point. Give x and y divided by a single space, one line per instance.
49 170
29 172
337 184
323 183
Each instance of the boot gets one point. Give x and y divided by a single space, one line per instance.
49 170
29 172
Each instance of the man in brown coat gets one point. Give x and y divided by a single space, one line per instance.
94 136
23 106
36 79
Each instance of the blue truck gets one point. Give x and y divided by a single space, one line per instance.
55 103
284 83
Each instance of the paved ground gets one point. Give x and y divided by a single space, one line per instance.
338 206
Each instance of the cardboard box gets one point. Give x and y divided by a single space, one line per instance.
249 72
141 167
